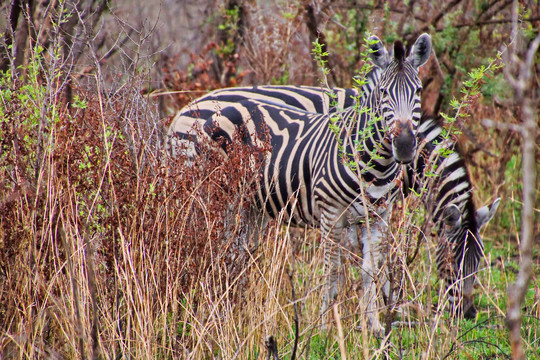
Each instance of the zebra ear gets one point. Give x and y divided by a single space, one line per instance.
420 51
379 56
486 213
452 216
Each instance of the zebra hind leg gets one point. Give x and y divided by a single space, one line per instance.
332 264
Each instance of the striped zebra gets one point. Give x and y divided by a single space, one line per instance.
305 98
305 163
455 197
429 129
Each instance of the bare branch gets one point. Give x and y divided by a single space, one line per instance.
519 74
502 126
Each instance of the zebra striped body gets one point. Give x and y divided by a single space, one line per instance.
305 162
306 183
305 98
463 246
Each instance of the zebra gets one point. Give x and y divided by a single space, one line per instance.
456 200
305 162
440 170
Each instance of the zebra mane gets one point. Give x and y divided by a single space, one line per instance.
399 51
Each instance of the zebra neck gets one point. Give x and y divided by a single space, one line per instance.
441 169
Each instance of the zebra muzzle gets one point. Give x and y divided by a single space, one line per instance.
403 144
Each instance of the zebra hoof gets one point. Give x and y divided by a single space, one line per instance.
470 313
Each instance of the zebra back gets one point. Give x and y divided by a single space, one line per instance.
311 99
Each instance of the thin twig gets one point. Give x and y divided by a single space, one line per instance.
75 289
341 337
296 322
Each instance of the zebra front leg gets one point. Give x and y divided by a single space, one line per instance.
373 273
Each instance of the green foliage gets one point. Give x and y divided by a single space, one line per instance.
367 66
283 79
229 27
529 29
79 103
511 208
360 79
347 39
350 155
29 103
321 58
470 91
495 86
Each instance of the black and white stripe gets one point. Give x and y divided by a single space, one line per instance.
460 244
310 99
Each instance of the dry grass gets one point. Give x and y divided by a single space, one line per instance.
115 262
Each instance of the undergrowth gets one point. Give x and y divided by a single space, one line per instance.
109 248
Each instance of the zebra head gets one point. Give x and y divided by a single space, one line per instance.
398 92
461 231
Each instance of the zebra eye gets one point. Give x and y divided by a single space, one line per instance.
418 91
